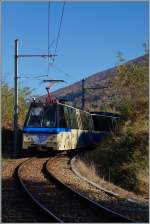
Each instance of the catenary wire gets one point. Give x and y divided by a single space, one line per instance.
60 24
48 35
32 77
48 28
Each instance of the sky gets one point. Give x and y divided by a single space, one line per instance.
91 35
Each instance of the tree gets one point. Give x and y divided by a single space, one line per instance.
8 104
129 89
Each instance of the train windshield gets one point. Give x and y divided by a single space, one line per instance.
42 117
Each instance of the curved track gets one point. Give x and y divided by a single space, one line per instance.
105 214
42 211
59 202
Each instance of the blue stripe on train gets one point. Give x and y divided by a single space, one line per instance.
46 130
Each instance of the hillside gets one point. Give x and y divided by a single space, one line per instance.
124 154
93 98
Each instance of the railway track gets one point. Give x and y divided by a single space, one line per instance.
58 202
44 215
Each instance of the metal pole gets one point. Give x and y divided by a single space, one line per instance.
16 98
83 91
16 56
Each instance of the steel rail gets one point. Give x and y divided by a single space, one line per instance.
46 213
108 214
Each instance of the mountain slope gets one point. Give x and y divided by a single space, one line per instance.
73 93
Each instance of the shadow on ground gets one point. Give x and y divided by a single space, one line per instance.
16 206
8 143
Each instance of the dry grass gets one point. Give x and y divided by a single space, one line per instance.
123 158
88 169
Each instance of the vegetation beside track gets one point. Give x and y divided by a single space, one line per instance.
123 155
120 163
7 116
7 105
4 161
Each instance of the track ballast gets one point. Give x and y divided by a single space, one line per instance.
58 202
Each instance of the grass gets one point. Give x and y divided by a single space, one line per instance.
122 158
4 161
84 168
89 170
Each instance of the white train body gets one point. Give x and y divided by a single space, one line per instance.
58 127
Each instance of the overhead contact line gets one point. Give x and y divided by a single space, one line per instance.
60 24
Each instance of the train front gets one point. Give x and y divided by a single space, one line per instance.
40 128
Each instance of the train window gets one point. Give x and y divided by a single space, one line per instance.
82 119
42 117
81 116
79 120
85 120
67 116
49 118
73 118
35 117
62 120
89 122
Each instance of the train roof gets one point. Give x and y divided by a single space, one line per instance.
40 103
106 114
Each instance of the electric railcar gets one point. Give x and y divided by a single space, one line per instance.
105 121
58 126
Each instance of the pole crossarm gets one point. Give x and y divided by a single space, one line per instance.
102 87
36 55
53 80
31 76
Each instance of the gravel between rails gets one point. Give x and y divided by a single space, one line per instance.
62 170
58 200
15 207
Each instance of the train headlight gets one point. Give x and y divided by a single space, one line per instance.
27 138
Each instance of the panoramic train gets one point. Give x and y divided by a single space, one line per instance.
105 121
56 126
